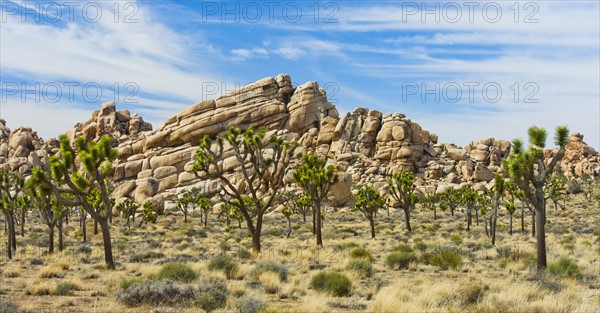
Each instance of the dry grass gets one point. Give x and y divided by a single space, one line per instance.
485 283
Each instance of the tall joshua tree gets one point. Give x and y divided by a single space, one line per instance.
79 171
262 165
529 169
11 186
402 189
368 202
315 177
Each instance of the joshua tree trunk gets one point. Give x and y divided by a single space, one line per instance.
495 218
108 256
523 217
95 227
407 217
372 222
477 217
510 224
541 229
289 227
12 232
51 239
533 221
468 219
23 211
314 221
60 235
434 213
318 226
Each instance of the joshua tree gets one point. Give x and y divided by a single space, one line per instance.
368 202
128 208
204 204
149 215
51 211
451 199
430 201
297 202
183 203
470 200
402 189
78 172
530 171
315 177
11 186
499 187
511 205
262 165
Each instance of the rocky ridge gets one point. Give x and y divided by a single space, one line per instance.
365 145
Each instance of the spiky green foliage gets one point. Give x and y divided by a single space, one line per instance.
11 187
530 171
368 202
431 201
402 189
450 199
205 205
262 164
149 214
315 178
79 177
183 203
128 209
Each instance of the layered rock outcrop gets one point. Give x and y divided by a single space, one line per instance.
365 145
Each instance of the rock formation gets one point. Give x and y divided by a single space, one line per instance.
365 145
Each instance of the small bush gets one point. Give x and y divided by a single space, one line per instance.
400 259
402 247
446 258
243 253
361 253
421 246
566 268
126 283
177 271
36 262
362 266
250 304
473 293
456 239
270 282
66 289
224 263
334 283
8 307
504 252
163 292
277 268
212 294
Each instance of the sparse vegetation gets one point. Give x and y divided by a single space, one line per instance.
331 282
177 271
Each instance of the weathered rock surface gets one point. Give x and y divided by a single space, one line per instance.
366 146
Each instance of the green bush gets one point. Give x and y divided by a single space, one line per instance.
446 258
126 283
400 259
362 266
243 253
224 263
212 294
65 289
402 247
566 268
361 253
177 271
456 239
334 283
277 268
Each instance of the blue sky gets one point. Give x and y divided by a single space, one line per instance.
464 70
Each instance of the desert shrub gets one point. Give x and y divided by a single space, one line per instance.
243 253
177 271
212 294
456 239
223 263
402 247
347 245
566 268
334 283
162 292
128 282
8 307
445 259
36 262
250 304
66 289
400 259
472 293
274 267
349 231
361 253
421 246
504 252
361 266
